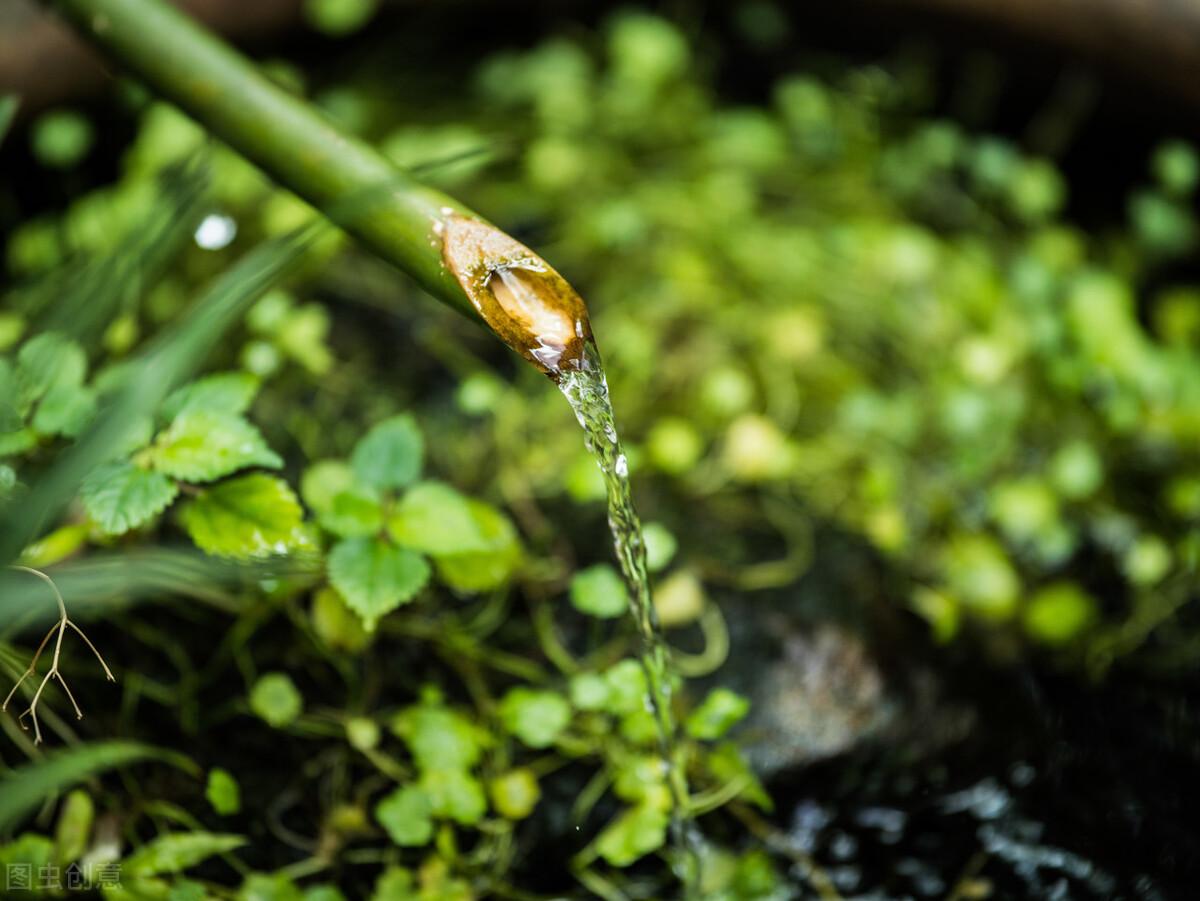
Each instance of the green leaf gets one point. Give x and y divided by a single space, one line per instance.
454 794
223 792
407 816
176 853
634 834
627 688
276 700
515 794
250 516
352 514
599 591
389 456
61 138
225 392
537 718
589 691
438 737
268 887
74 828
18 442
435 519
201 445
1059 612
475 546
374 577
395 884
65 410
720 712
339 17
26 787
120 496
325 480
660 546
48 360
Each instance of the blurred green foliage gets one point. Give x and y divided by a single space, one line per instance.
824 305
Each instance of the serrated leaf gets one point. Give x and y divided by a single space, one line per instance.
120 496
65 410
202 445
177 852
389 456
225 392
47 360
374 577
250 516
407 816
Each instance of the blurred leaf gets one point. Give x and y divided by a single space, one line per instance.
515 793
74 829
407 816
339 17
438 737
535 717
374 577
229 393
390 454
634 834
250 516
61 138
352 514
47 361
276 700
475 546
177 852
201 445
454 794
599 591
721 711
222 792
121 496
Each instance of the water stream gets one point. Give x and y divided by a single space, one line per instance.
586 388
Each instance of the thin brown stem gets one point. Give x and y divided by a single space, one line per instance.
58 632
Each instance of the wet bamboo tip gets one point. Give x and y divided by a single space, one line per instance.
532 308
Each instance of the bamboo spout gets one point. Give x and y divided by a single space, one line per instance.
448 249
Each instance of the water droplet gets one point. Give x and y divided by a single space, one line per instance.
622 466
215 232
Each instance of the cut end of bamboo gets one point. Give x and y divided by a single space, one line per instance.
532 308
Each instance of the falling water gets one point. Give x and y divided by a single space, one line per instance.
586 389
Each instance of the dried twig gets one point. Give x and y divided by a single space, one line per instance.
59 629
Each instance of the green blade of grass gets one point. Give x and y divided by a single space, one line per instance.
22 790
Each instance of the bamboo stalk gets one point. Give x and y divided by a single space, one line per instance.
452 252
